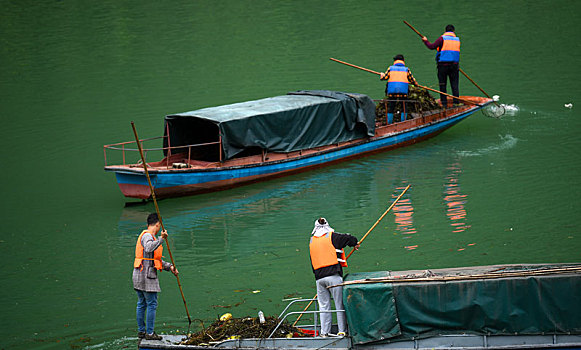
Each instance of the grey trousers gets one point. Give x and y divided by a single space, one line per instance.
324 298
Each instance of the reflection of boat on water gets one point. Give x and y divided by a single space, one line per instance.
497 307
221 147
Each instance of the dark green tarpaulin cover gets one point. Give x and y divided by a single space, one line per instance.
549 304
296 121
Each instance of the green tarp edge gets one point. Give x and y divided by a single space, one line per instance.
368 322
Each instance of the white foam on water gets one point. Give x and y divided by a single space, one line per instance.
506 142
510 109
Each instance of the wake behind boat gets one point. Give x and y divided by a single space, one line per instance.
221 147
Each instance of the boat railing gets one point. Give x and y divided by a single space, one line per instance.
123 147
284 315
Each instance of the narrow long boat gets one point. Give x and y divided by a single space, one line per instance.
221 147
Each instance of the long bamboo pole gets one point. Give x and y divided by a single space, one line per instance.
354 66
159 215
380 218
420 86
461 71
473 82
361 241
445 94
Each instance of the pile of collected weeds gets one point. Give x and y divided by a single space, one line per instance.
418 101
236 328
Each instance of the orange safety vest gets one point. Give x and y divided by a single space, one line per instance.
324 253
139 254
398 82
450 51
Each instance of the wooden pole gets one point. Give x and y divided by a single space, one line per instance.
414 29
361 241
445 94
159 215
473 82
354 66
381 218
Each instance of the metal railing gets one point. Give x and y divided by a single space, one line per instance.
283 315
121 146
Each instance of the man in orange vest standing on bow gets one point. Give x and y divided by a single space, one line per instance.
448 60
147 262
328 259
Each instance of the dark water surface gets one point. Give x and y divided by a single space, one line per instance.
74 74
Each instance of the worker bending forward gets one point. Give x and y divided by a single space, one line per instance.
398 78
327 260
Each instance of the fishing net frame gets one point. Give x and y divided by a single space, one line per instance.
494 110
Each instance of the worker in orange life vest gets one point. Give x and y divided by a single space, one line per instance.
327 260
148 261
448 61
398 78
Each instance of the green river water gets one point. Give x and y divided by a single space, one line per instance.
73 74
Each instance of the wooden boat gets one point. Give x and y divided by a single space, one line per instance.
221 147
499 307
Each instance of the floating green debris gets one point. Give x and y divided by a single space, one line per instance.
236 328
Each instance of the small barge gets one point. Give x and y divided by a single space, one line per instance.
221 147
514 307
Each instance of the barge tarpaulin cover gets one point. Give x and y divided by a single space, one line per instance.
526 305
296 121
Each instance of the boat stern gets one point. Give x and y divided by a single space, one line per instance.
133 185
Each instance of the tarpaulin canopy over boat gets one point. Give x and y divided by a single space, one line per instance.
296 121
533 299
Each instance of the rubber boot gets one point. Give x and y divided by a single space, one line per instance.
403 116
389 118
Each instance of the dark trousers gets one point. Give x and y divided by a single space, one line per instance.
393 99
446 71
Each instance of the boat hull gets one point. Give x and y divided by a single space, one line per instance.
183 182
449 342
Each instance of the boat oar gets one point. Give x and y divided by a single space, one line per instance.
160 221
361 241
421 86
461 71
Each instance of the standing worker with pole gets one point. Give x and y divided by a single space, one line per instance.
153 257
147 262
356 247
448 61
328 259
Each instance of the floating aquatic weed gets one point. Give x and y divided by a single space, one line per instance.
247 327
419 101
